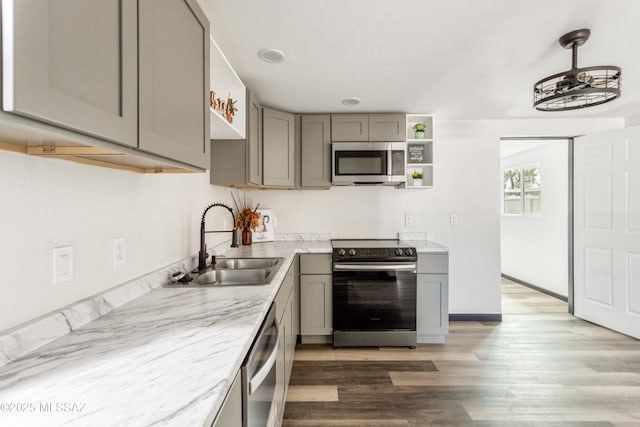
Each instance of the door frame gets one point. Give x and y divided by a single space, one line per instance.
570 222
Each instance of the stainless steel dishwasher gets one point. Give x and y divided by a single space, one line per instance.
259 374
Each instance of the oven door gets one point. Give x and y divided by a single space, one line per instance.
374 296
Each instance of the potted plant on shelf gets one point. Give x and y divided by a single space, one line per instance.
247 219
417 178
418 130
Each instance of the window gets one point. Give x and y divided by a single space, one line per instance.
521 191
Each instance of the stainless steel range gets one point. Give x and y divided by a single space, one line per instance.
374 293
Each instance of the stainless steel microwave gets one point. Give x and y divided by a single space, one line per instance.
368 163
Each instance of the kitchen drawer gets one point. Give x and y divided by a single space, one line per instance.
315 264
433 263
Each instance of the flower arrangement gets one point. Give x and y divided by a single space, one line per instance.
246 217
419 127
417 175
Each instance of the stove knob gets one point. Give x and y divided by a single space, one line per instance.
408 252
352 252
341 252
399 252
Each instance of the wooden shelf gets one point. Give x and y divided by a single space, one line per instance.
225 82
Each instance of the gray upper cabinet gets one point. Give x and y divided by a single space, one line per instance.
73 64
368 127
174 80
254 140
239 162
316 151
350 127
278 140
387 127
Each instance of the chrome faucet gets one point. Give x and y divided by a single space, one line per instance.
202 255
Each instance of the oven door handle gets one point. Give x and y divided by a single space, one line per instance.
376 267
259 377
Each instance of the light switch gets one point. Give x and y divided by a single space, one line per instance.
453 219
62 265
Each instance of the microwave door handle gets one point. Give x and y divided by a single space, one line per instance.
389 162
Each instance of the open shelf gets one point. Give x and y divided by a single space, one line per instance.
225 82
419 152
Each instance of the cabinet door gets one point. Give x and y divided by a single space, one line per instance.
174 80
432 305
350 127
316 151
316 309
278 154
281 375
290 340
254 140
387 127
72 63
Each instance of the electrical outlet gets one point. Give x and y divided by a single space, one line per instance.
453 219
409 220
119 251
275 221
62 265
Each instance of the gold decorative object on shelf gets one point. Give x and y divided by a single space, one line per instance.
225 109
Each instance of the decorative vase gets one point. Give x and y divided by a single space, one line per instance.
419 135
246 236
417 182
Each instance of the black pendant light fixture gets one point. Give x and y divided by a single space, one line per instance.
578 87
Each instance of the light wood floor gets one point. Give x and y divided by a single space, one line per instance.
539 367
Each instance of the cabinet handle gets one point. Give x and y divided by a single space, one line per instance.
259 377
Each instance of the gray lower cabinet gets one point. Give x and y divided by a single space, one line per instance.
239 162
287 336
230 414
387 127
90 88
278 148
315 156
316 304
432 308
110 71
350 127
174 80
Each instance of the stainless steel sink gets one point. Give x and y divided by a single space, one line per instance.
234 277
247 263
233 272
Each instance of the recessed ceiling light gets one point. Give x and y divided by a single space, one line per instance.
351 102
272 56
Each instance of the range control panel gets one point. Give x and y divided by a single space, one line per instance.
374 254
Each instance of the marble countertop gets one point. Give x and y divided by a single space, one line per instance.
167 358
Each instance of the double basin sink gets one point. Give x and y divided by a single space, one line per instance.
234 272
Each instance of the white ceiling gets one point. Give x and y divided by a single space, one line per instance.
454 58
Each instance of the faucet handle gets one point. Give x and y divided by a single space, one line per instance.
213 259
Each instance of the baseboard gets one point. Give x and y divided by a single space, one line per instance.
488 317
316 339
536 288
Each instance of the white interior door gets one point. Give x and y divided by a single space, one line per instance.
607 229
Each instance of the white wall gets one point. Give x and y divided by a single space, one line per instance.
47 203
535 248
467 181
